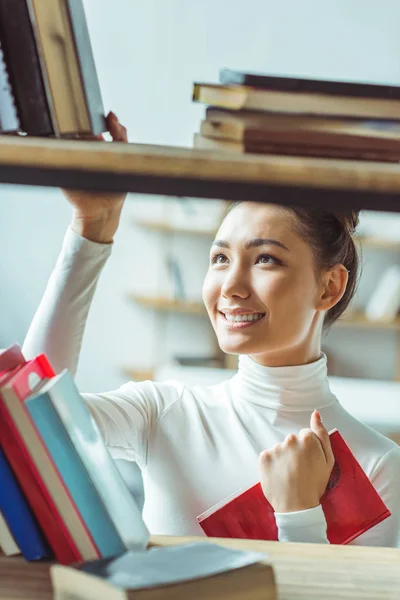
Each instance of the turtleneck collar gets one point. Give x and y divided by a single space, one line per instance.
299 388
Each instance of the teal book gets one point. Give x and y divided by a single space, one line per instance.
74 424
74 475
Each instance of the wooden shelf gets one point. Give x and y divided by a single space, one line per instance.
172 171
168 228
169 304
378 243
138 374
359 320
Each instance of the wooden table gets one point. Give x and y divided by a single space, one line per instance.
303 571
167 170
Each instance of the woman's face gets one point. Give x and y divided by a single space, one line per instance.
261 290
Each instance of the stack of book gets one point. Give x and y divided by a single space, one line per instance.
250 113
62 497
61 493
48 79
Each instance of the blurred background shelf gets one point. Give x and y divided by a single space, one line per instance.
359 320
138 374
169 304
378 243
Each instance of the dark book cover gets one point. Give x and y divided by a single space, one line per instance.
90 81
21 57
314 86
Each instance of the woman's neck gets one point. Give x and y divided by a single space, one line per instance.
306 351
290 357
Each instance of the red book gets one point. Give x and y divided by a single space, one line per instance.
53 506
350 503
11 357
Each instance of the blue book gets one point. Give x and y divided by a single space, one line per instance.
19 517
74 474
85 437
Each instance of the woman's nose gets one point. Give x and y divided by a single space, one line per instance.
235 284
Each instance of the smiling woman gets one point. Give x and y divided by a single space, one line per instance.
277 277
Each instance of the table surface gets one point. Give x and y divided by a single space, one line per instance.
171 170
303 571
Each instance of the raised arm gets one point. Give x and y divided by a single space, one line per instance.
58 326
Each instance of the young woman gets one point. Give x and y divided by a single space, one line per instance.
277 277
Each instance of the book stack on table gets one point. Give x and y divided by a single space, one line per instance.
63 498
262 114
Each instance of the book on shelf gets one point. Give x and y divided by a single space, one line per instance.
264 114
8 544
200 570
60 472
256 128
312 86
18 517
49 70
241 97
11 357
84 436
176 278
384 304
350 503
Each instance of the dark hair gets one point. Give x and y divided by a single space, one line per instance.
331 237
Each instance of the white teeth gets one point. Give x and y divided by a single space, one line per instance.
243 318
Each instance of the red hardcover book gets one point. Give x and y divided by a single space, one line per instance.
55 526
350 503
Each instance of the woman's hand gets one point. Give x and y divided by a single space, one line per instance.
294 474
96 214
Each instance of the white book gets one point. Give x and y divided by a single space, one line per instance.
7 542
9 121
384 303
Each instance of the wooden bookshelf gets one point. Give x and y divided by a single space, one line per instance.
359 320
378 243
169 304
172 171
169 228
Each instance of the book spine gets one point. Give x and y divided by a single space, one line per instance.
90 81
74 475
18 515
9 120
40 501
7 542
21 56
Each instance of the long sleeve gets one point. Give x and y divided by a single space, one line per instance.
302 526
59 323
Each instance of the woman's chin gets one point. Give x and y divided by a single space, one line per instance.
238 347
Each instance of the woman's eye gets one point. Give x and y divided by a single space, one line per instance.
218 259
267 259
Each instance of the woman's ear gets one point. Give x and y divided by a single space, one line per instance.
334 282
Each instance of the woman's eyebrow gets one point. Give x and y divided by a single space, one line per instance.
253 243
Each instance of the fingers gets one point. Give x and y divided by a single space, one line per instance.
322 434
118 132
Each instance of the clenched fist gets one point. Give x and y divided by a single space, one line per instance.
295 473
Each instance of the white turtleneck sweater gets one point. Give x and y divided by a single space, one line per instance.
196 446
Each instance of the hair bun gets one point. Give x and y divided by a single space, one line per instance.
349 220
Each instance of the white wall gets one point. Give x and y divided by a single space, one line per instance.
148 55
